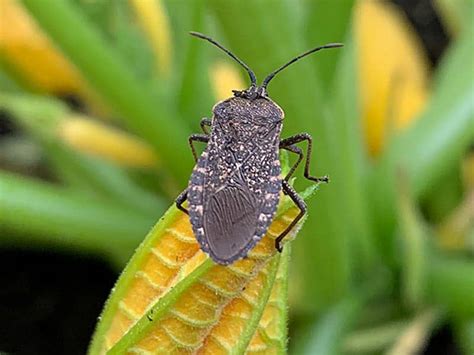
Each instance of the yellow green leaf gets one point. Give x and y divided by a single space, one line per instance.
95 138
271 334
34 57
171 298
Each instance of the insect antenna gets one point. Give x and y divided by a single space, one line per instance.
253 78
272 75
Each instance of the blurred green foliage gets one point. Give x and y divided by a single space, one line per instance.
366 251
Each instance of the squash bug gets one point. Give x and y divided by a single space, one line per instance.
235 187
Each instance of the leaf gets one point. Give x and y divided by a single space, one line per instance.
44 214
21 41
451 284
327 21
393 71
171 295
415 249
271 334
465 334
455 14
105 69
155 24
327 334
50 122
240 317
432 145
353 159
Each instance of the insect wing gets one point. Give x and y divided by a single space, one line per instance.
230 222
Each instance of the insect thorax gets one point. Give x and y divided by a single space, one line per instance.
243 147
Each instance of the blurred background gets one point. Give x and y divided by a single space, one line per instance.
97 98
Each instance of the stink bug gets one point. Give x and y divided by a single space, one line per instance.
235 186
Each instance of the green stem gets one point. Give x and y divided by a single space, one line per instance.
102 66
41 213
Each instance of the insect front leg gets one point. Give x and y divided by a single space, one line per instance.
197 137
205 122
290 141
288 190
180 200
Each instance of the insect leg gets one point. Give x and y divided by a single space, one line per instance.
205 122
197 137
300 138
297 150
288 190
180 200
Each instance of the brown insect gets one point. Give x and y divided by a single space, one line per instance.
235 186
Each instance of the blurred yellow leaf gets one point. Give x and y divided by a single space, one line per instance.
152 17
25 47
95 138
393 71
225 78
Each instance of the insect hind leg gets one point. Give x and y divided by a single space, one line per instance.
294 149
180 200
297 138
288 190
